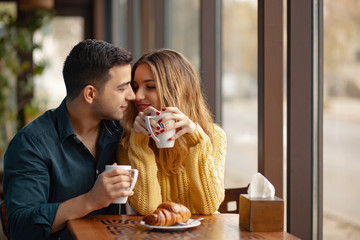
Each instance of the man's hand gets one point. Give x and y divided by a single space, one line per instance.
104 192
107 186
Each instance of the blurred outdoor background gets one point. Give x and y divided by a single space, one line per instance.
341 150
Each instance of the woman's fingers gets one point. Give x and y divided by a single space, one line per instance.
140 124
182 122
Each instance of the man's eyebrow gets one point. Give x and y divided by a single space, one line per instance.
124 84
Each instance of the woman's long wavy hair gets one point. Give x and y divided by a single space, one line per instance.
178 85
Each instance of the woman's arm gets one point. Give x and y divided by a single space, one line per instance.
147 191
205 170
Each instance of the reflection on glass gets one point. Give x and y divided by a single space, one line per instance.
341 119
58 39
240 90
183 24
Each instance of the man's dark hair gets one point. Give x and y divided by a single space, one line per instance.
89 63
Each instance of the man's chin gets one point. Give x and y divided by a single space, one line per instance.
115 118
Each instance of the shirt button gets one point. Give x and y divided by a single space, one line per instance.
97 171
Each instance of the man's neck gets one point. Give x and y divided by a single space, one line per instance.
85 125
81 117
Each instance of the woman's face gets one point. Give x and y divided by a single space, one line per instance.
145 89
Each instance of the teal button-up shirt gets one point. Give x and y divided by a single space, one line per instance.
46 164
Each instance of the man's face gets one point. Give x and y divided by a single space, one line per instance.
114 96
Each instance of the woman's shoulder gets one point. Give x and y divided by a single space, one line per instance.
218 129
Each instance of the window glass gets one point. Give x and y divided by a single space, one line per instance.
58 38
119 23
239 84
182 28
341 119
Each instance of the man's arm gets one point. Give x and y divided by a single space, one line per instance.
105 191
36 203
26 190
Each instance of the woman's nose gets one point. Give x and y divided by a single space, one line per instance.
139 95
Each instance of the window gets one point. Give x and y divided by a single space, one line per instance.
341 119
57 39
239 94
182 28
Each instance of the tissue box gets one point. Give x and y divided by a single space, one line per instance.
261 214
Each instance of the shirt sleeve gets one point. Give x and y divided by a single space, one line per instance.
147 191
26 187
205 170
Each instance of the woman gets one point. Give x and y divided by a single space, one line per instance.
190 173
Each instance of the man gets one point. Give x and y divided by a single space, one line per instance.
53 167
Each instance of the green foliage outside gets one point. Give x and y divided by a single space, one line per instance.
16 39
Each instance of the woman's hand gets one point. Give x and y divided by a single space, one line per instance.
140 125
182 122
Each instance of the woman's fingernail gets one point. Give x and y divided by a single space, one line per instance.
170 139
158 128
164 109
157 133
160 121
162 130
149 134
158 113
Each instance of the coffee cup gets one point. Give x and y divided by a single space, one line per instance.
134 174
161 140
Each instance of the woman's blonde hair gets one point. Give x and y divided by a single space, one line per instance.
178 85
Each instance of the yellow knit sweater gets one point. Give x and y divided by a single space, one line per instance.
200 186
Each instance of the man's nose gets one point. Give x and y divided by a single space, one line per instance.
131 94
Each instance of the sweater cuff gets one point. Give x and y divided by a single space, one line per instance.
196 137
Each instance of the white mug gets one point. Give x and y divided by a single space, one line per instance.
135 172
162 140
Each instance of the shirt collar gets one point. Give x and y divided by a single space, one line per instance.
65 127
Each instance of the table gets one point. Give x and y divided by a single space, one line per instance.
123 227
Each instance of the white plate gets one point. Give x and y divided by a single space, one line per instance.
177 227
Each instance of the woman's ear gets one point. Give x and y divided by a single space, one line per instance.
89 93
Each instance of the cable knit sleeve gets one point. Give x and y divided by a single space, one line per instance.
147 192
205 170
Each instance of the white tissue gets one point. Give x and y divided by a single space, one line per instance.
260 187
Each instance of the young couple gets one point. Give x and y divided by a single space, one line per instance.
54 166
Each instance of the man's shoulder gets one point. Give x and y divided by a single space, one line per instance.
35 134
41 125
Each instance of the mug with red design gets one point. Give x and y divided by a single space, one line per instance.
162 139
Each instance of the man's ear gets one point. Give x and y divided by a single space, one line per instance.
89 93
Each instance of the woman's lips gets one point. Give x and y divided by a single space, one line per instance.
142 107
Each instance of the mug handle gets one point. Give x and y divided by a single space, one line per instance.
149 128
136 173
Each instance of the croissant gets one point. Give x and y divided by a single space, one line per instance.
168 214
